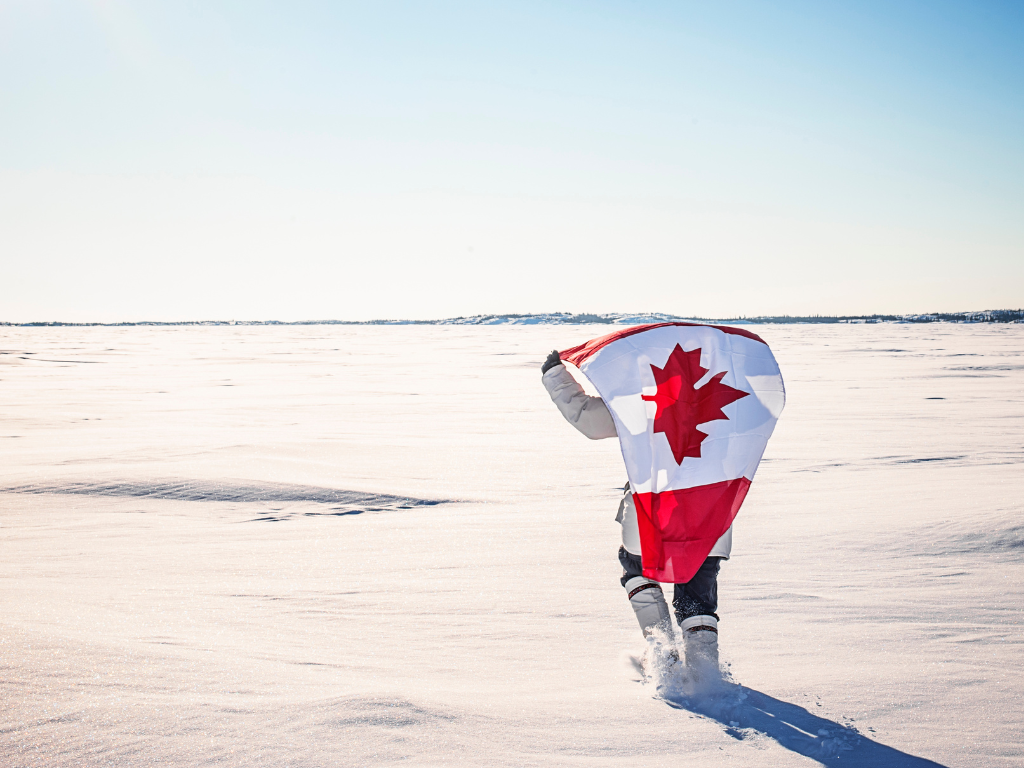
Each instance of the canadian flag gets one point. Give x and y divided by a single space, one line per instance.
694 406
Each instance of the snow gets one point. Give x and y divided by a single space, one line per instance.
372 545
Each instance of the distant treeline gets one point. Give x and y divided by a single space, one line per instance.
566 318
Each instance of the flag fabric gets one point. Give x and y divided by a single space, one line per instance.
694 406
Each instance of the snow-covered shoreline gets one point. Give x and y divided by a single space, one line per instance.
613 318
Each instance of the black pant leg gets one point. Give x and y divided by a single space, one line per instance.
631 565
698 596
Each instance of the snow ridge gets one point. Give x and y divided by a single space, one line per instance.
339 502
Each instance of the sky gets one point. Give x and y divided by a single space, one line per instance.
331 160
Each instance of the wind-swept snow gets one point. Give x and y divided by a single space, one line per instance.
439 582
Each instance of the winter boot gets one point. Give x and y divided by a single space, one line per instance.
648 602
700 641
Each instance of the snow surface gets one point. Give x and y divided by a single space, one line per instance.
360 545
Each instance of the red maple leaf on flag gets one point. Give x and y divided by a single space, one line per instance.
681 407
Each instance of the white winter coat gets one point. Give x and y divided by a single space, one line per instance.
591 417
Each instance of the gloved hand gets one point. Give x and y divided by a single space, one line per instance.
551 362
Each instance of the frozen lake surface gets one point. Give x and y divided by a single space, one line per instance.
337 545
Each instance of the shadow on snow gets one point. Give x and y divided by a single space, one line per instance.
742 710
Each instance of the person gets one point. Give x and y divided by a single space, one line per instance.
695 603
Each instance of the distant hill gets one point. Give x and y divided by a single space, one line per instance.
565 318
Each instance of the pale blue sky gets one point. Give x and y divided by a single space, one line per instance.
306 160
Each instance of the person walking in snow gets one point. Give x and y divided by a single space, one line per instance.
696 601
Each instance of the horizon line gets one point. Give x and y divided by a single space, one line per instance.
568 318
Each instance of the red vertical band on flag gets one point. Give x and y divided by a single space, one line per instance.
678 529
